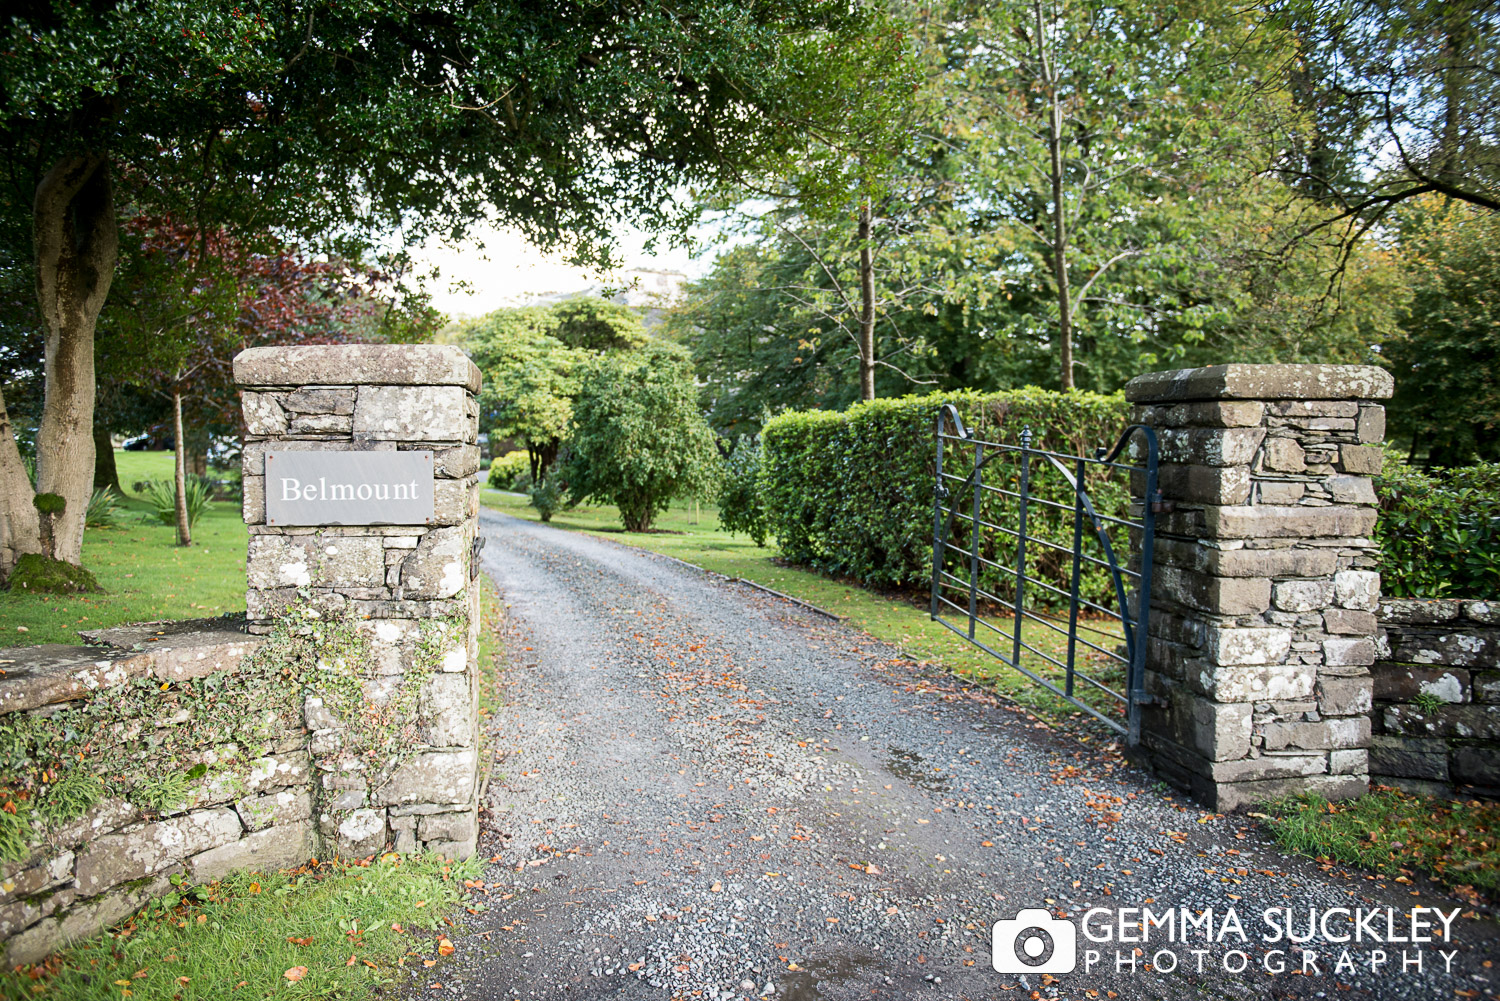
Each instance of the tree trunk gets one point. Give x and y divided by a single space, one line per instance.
106 474
20 530
184 530
1059 216
76 243
866 306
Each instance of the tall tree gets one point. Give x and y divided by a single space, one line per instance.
342 122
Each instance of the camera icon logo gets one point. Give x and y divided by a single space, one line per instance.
1034 942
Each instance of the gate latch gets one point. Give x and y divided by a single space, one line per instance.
474 557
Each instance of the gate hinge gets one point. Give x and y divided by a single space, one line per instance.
1141 698
1160 505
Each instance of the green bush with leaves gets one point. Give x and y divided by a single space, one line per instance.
742 509
506 470
1439 531
103 507
546 497
638 439
162 496
851 493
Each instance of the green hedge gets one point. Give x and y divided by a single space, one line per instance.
1439 532
851 493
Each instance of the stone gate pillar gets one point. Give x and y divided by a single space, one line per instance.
1263 602
374 535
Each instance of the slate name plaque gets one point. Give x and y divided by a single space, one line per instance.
349 488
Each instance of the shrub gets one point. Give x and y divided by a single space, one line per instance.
103 506
638 439
506 470
741 508
546 497
852 493
1439 531
162 496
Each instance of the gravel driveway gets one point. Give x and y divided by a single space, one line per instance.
701 791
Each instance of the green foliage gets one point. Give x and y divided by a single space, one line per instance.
507 469
852 494
1396 833
73 795
49 503
741 507
546 497
162 496
592 324
638 439
1439 531
1447 356
103 507
38 574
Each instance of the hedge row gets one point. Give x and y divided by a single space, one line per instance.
1439 531
851 493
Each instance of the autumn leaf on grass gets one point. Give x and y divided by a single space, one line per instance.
296 973
445 947
300 941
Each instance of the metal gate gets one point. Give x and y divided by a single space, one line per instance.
1079 591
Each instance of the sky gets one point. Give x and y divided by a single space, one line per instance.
509 271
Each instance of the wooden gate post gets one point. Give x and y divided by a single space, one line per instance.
1263 601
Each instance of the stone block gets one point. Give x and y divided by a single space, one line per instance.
1370 428
1419 611
1350 489
1287 522
1404 682
1475 721
263 414
277 771
1484 612
1279 491
82 920
1301 595
1363 460
361 833
1476 765
1227 414
1358 589
1283 455
436 777
282 806
460 826
117 858
1313 408
1262 382
1269 766
454 849
276 561
253 500
1209 446
33 875
312 400
350 364
1344 696
320 424
1242 562
1486 686
1451 647
1222 595
1406 757
268 850
436 568
1256 682
1354 761
1231 796
1349 622
448 709
1349 651
1327 734
456 462
1233 646
1201 484
454 501
411 413
253 457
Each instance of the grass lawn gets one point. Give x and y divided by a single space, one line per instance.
144 573
898 618
1396 833
326 931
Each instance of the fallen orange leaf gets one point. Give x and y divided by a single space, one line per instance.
445 947
296 973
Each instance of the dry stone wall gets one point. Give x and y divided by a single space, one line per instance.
406 590
1436 717
1262 627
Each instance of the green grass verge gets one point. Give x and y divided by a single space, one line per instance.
899 618
1397 834
333 927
